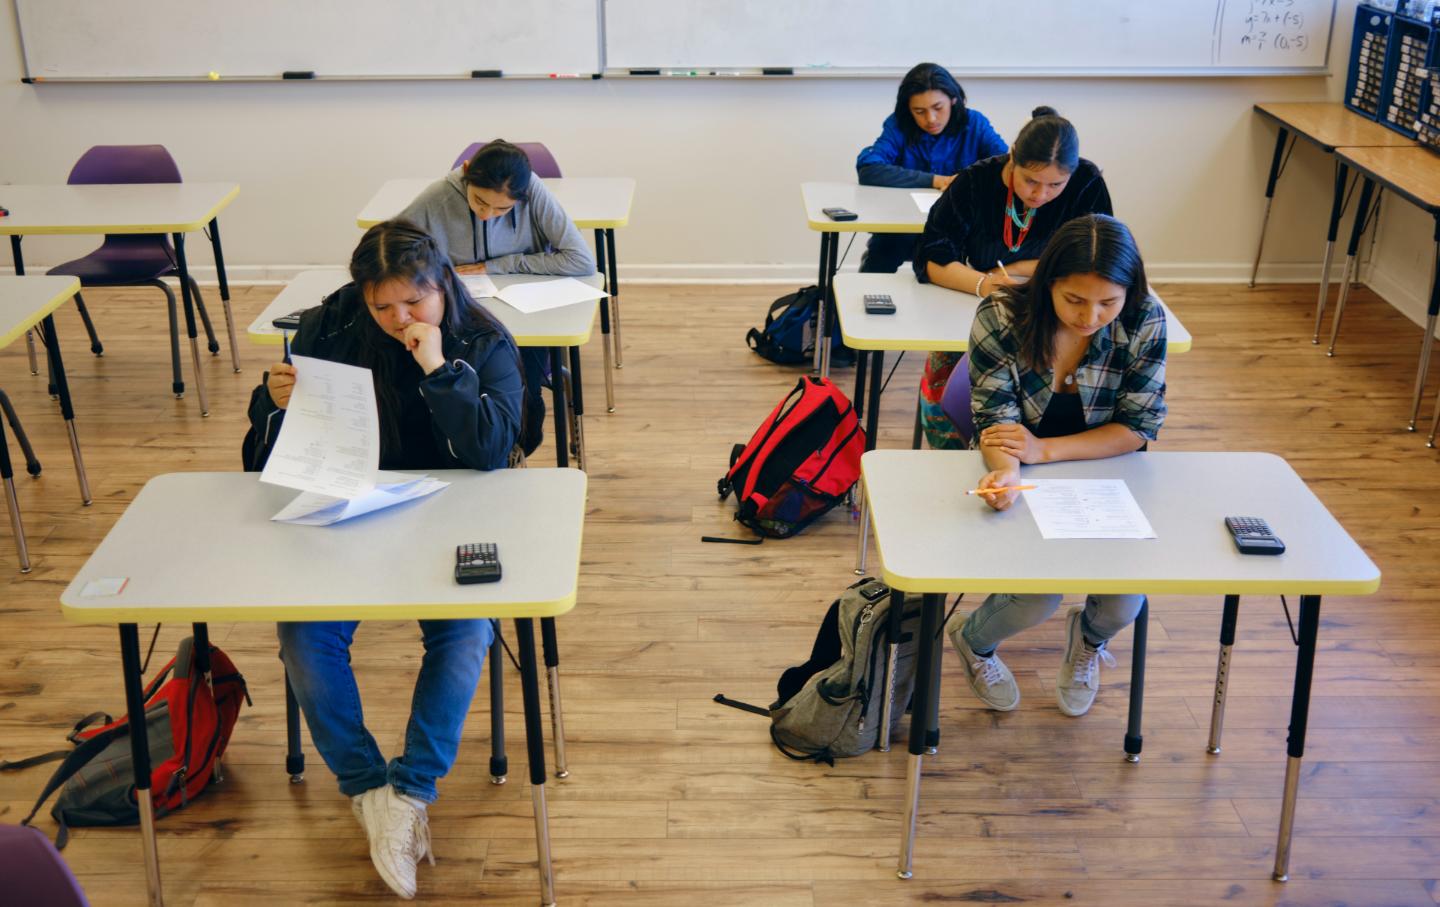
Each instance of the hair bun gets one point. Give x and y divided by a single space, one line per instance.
1044 111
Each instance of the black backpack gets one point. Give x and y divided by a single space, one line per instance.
788 337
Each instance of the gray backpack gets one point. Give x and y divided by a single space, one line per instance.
831 706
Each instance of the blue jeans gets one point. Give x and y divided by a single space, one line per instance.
1005 614
317 658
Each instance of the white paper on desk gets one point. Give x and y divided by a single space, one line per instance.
1086 509
925 200
391 488
329 443
479 285
539 295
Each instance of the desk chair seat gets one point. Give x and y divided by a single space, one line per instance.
33 872
955 401
541 160
134 259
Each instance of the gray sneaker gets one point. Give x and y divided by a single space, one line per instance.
992 682
399 832
1079 677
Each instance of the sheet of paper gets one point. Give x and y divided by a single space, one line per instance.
924 200
391 488
479 285
539 295
330 440
1086 509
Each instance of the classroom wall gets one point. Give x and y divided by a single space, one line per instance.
718 162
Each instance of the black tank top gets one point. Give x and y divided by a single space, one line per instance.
1063 416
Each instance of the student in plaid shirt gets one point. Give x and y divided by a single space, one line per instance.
1070 366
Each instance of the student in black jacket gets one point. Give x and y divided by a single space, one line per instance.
448 385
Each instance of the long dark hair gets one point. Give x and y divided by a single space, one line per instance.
502 167
1092 244
1047 139
399 250
929 77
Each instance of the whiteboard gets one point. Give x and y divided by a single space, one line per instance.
189 39
851 37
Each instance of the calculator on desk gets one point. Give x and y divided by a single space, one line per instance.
477 563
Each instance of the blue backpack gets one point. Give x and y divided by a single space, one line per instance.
788 337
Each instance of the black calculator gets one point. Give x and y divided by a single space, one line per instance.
1253 535
478 563
879 304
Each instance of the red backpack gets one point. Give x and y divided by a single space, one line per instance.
800 462
189 724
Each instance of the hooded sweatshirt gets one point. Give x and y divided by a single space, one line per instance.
535 237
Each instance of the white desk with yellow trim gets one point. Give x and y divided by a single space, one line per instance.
877 209
599 203
24 303
565 327
173 208
934 539
927 318
201 547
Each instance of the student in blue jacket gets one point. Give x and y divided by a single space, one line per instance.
929 138
447 381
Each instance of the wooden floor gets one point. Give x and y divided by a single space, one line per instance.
673 800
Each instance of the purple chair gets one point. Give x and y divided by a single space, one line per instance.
955 401
33 872
541 160
134 259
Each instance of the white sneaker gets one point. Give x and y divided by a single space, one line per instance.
992 682
1079 677
399 832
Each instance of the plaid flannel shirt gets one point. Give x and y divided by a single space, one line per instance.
1121 377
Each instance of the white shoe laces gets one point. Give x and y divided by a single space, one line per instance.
989 669
1087 663
420 839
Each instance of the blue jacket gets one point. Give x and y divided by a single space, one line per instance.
894 160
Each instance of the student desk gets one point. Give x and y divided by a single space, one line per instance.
1413 173
24 303
927 318
568 326
174 208
933 539
878 209
230 572
601 203
1328 125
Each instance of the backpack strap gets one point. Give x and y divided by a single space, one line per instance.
83 723
77 759
800 755
52 756
742 706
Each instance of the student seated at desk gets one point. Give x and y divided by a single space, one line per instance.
1001 210
1070 366
929 138
448 385
493 217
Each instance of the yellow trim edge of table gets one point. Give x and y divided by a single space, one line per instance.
19 331
121 614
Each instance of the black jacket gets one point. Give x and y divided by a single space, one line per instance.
474 401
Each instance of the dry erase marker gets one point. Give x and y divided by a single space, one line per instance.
1002 489
564 75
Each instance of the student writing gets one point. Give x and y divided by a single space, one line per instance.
448 386
930 137
1070 366
1001 210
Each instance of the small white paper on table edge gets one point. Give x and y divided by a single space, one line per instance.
925 200
105 586
539 295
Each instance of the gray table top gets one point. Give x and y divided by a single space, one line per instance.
107 208
25 301
878 209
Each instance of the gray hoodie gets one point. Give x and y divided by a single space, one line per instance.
535 237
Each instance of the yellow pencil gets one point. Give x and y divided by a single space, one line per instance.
1001 266
999 490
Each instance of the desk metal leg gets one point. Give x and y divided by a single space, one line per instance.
614 273
577 406
1428 339
1299 717
872 422
1222 672
224 291
605 321
562 417
1337 209
918 431
12 503
1276 166
189 304
535 749
67 410
921 706
17 258
499 763
552 682
892 658
294 755
140 757
1362 216
829 251
1134 740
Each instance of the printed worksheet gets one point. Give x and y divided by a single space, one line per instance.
1086 509
539 295
925 200
479 285
391 488
329 443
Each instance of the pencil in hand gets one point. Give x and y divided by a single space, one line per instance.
1002 489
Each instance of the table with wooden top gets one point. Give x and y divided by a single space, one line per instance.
1328 125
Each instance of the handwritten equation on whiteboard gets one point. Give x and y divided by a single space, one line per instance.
1264 32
